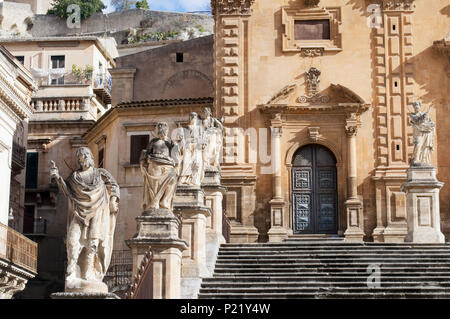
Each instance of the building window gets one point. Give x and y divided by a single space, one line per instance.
58 62
101 158
31 175
138 143
180 57
28 219
21 59
312 30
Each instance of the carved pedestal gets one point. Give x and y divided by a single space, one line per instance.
277 231
190 202
422 205
158 229
214 192
355 221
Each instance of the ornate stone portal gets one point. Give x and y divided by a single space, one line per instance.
93 196
422 188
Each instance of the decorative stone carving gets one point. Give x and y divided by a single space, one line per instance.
159 167
314 133
193 145
213 134
231 6
93 196
398 4
312 81
423 133
282 94
443 47
312 3
311 52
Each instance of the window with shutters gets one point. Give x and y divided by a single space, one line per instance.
138 143
31 175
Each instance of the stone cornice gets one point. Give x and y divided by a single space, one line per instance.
231 6
398 5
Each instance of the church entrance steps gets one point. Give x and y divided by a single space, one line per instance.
304 269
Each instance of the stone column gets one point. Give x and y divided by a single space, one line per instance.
190 202
422 205
214 193
353 205
158 229
277 231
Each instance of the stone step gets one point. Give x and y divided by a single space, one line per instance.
257 257
322 295
293 289
337 259
325 277
315 283
334 244
265 271
334 264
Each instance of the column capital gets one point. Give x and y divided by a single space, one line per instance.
351 124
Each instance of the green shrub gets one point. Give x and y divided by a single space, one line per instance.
87 7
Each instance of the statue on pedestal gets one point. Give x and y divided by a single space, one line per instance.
193 168
213 134
423 130
159 167
93 196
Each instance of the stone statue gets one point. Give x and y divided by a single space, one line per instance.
193 168
93 197
213 134
159 167
424 130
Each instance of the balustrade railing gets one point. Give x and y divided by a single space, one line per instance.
103 81
142 286
120 270
226 227
55 105
17 249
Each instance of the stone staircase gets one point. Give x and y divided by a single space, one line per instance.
302 267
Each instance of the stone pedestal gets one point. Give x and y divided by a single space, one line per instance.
83 295
422 205
214 193
158 229
355 221
277 231
190 202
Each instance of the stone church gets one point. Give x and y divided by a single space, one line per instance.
315 97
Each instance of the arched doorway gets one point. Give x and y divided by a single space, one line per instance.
314 191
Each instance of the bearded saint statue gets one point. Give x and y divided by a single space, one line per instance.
423 134
213 134
93 196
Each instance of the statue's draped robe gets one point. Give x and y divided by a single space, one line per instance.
213 136
160 176
89 206
192 171
424 130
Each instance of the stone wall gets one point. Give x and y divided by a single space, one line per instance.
115 23
158 75
14 18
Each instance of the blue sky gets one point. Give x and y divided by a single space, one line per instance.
173 5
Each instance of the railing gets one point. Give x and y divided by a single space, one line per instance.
55 105
142 286
40 226
18 249
179 215
103 81
226 227
118 276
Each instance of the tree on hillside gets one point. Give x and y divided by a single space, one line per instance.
87 7
143 4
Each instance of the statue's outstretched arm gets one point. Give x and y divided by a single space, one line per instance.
54 174
111 184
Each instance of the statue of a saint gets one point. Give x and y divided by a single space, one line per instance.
159 167
213 134
193 168
423 130
93 197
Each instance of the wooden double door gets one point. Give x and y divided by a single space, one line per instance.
314 191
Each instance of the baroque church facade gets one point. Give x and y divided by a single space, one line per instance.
315 97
